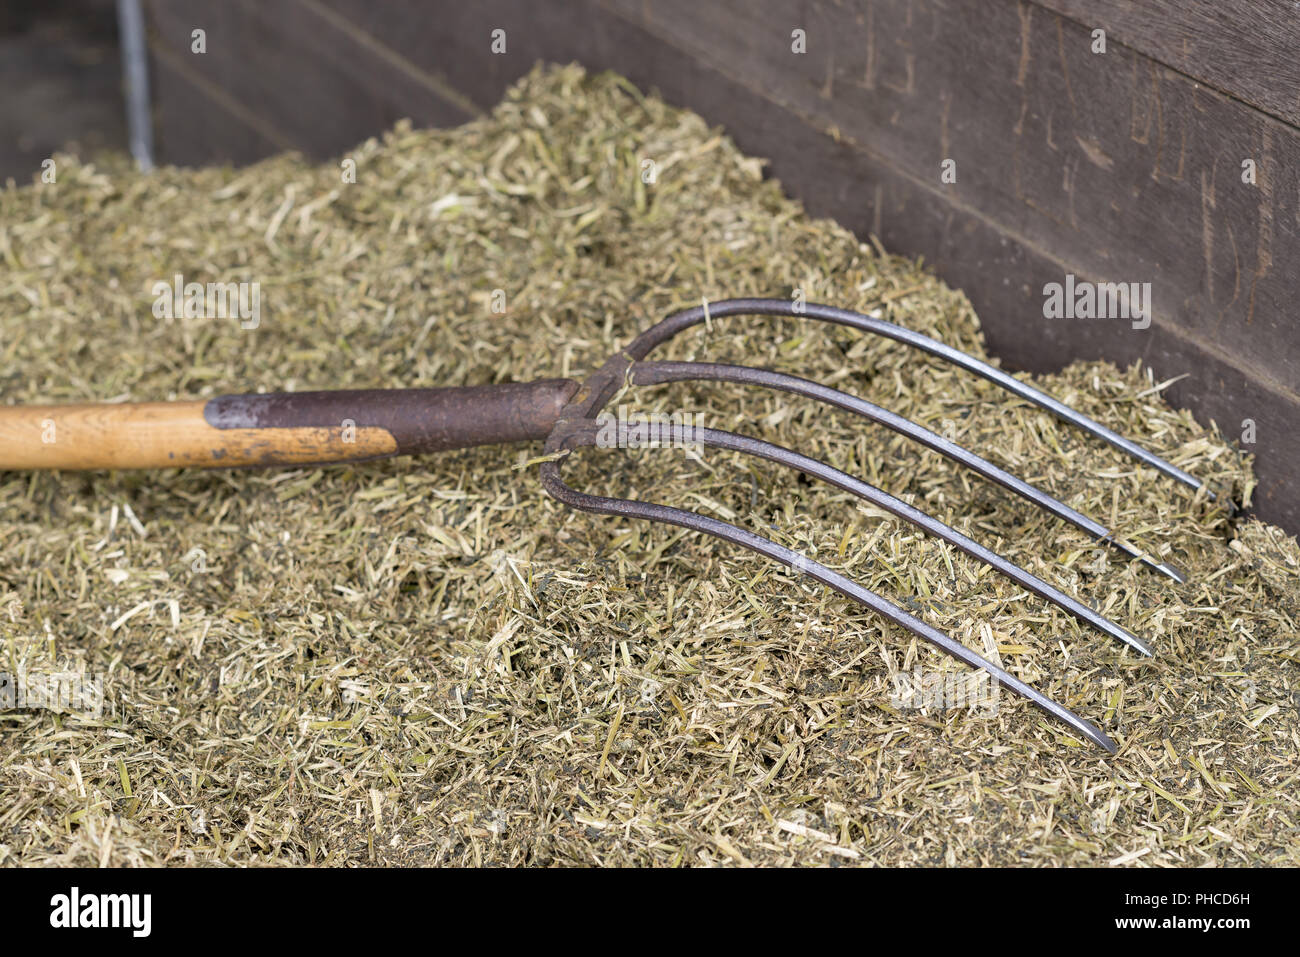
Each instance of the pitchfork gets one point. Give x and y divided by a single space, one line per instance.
318 428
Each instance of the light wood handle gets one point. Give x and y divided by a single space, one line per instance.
167 434
279 428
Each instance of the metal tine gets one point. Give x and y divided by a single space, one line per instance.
677 322
654 512
896 506
657 373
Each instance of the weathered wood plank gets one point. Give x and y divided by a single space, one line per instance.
193 129
61 74
1249 49
455 39
317 83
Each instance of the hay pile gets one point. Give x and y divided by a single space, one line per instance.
428 661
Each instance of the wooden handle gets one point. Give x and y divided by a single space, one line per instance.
299 428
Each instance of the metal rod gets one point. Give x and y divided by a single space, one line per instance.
135 80
656 373
669 327
653 512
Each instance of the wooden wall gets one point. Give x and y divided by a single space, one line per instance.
1117 166
60 71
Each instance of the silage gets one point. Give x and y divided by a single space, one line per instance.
428 661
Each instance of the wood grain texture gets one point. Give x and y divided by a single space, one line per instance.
196 124
1249 49
300 76
166 434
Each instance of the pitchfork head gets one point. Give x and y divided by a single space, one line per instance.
578 426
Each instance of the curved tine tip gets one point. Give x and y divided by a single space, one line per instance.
1091 732
1133 641
1166 569
1104 624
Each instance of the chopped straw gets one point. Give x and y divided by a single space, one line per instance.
430 662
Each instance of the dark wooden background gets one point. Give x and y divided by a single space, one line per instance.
1123 166
59 77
